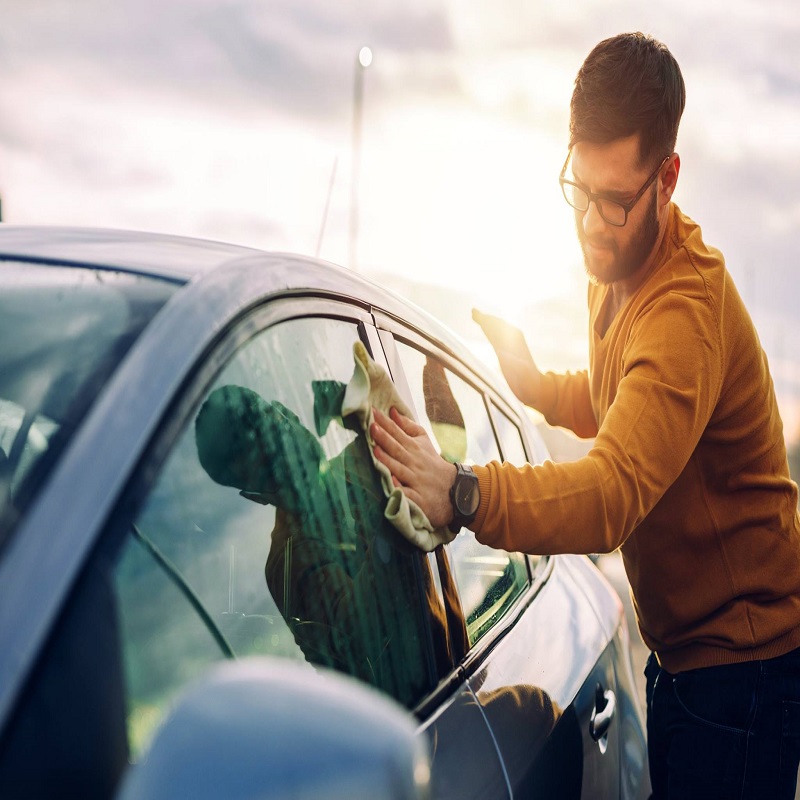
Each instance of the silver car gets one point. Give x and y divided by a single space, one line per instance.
180 490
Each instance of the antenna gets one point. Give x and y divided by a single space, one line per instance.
327 206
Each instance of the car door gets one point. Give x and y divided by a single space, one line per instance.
253 526
537 651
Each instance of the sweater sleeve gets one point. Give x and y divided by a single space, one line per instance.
566 403
671 378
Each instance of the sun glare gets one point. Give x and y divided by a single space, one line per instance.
474 204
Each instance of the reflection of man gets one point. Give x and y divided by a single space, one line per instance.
542 759
541 746
348 602
688 472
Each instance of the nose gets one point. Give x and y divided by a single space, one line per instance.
592 222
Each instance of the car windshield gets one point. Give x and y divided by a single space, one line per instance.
63 330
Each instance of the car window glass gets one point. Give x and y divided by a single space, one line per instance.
63 330
510 438
264 534
513 451
455 415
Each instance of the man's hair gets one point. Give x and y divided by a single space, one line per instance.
629 84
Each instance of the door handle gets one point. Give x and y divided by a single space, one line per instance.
605 705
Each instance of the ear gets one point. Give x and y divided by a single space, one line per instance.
669 179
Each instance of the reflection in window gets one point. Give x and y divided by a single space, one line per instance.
264 534
63 331
490 580
22 450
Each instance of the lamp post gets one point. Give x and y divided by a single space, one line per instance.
363 60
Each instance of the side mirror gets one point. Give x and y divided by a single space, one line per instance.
262 728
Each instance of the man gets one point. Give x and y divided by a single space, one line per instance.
688 473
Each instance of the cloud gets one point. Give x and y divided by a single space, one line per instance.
294 56
172 110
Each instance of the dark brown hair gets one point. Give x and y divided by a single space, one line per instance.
629 84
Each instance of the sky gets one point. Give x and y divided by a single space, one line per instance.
233 120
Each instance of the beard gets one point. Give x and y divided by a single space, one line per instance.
625 261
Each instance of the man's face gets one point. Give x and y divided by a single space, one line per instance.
612 253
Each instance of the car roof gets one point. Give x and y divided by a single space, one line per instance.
183 259
176 258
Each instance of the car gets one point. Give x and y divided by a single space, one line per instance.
185 505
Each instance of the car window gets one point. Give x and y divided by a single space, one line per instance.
63 330
264 533
455 415
513 449
510 438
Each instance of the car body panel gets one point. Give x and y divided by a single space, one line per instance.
171 257
539 684
465 762
561 669
634 780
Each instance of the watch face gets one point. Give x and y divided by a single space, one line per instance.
467 496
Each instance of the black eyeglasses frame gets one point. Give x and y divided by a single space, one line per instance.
593 197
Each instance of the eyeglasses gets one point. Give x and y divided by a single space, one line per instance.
614 212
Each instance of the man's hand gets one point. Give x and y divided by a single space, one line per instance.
515 358
424 476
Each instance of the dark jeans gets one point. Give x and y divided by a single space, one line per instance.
725 732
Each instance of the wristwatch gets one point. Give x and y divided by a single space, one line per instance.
465 496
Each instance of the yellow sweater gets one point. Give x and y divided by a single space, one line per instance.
688 472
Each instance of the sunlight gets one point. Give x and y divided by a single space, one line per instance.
474 204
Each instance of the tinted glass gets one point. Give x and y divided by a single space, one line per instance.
455 414
513 451
62 333
264 534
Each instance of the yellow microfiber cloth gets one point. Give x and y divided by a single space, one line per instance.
371 387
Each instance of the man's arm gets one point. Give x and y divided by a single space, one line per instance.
563 399
565 402
516 361
663 403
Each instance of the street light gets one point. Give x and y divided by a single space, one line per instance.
363 60
365 57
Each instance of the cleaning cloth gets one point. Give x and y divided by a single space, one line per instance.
371 387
